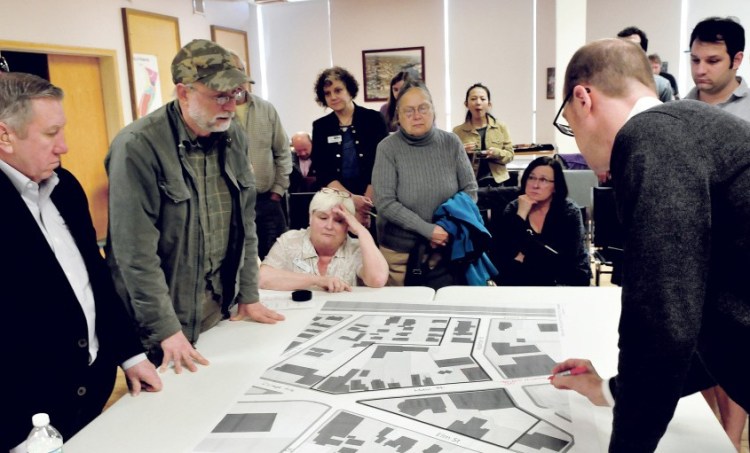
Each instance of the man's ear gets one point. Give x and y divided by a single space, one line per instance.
5 142
737 61
581 98
181 91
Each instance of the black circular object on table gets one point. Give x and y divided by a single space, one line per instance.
301 295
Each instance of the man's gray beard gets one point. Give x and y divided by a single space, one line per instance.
200 120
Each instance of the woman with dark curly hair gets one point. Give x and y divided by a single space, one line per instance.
344 141
541 241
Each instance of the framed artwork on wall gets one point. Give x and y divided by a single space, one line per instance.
550 83
151 42
199 7
379 67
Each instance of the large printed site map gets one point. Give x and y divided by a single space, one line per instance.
404 378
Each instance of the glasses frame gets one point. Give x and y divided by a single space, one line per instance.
238 95
565 129
410 111
340 193
4 64
541 181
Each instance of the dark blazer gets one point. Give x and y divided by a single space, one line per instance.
368 128
299 183
45 334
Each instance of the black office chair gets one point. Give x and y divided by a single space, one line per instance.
494 200
607 234
298 208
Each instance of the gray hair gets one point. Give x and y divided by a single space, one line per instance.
411 83
17 90
322 201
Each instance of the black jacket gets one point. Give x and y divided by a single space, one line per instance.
45 333
368 128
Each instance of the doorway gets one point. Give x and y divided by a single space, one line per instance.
92 108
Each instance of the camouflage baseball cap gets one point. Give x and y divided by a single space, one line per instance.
209 63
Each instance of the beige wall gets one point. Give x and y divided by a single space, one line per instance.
98 24
300 41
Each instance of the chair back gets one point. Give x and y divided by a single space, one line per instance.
607 229
580 183
299 204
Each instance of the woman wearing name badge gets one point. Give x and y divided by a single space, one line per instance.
323 255
344 141
541 236
486 140
416 170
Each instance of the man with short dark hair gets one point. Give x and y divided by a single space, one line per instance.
681 175
656 66
638 36
716 49
65 329
182 244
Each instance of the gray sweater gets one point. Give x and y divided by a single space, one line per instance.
412 177
681 173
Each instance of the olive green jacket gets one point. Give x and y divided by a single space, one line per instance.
155 247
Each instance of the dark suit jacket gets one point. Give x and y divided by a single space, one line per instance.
369 129
299 183
45 334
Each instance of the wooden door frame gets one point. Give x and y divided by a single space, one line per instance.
110 75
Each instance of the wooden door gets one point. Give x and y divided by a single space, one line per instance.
86 129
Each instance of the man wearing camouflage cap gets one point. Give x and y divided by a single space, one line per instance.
181 211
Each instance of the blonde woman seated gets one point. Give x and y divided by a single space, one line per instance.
323 255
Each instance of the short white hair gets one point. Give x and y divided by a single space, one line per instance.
322 201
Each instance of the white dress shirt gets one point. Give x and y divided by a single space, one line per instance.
53 227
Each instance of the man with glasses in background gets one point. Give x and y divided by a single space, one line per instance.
681 175
271 161
182 210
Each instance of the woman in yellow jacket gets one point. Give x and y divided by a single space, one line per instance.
485 139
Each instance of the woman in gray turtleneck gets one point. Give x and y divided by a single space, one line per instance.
416 170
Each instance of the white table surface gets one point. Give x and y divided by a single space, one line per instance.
178 417
593 315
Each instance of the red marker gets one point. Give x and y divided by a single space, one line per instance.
575 371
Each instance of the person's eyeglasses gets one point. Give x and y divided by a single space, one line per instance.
423 109
542 181
563 127
237 95
4 64
332 191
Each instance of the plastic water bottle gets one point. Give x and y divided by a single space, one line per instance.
43 438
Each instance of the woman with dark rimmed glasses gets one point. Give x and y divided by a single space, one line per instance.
541 235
